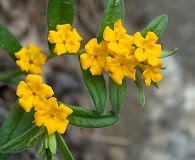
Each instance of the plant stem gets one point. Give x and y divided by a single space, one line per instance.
9 75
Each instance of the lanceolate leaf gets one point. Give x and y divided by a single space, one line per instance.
117 94
97 89
16 124
112 12
168 53
20 143
141 91
91 119
59 12
8 42
62 148
52 143
157 26
155 84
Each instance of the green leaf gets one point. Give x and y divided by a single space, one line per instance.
46 140
34 140
91 119
16 123
155 84
59 12
117 94
141 90
112 12
8 42
13 77
168 53
157 26
20 143
97 89
5 156
48 155
52 143
42 148
62 148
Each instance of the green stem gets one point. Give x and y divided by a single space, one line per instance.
9 75
62 148
50 56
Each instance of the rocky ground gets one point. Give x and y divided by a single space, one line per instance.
163 129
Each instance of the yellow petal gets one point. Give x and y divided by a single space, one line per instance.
117 78
151 37
23 89
36 69
75 35
118 27
39 118
73 46
62 127
86 60
140 55
64 27
96 69
54 37
109 35
24 65
60 48
21 52
91 46
153 61
138 39
33 81
157 77
26 103
45 91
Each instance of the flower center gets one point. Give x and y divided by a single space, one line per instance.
121 64
95 57
52 115
34 94
31 61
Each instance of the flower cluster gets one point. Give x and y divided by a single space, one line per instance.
34 93
31 59
66 39
120 53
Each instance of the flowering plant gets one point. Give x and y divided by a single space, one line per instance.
37 116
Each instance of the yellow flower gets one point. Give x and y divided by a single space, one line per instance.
53 116
118 41
147 49
95 57
121 66
31 59
66 39
151 73
33 92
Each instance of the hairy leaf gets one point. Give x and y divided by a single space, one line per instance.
157 26
8 42
117 94
91 119
112 12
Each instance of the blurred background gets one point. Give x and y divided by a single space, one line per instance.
161 130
